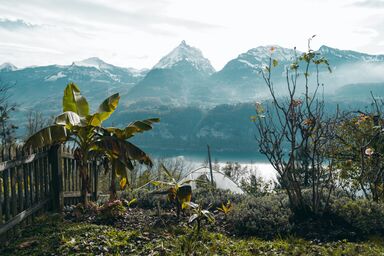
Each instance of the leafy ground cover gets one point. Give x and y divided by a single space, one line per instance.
143 232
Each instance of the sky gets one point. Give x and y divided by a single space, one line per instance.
138 33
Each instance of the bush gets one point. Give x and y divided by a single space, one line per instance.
265 217
366 217
202 196
215 197
146 200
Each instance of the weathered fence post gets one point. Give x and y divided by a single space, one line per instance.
95 179
57 178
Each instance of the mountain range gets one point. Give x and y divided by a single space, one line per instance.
186 77
184 88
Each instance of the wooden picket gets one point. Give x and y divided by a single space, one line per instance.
40 181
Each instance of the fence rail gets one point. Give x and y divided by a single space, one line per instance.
39 181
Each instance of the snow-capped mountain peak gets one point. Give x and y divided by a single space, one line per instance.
349 55
263 53
258 57
7 67
184 52
93 62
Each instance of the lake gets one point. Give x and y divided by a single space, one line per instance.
255 161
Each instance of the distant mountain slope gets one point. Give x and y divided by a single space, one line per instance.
34 87
224 127
337 56
247 66
361 91
242 77
41 88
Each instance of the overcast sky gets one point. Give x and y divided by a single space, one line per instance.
138 33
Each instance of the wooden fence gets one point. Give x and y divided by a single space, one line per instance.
39 181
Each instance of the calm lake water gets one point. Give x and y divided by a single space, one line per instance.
253 160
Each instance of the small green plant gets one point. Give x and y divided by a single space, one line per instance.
199 215
225 208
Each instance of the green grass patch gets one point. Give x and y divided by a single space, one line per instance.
53 236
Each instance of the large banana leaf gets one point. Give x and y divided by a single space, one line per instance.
132 128
123 150
74 101
47 136
135 153
105 110
120 153
120 168
139 126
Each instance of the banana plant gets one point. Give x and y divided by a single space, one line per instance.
78 125
120 152
178 192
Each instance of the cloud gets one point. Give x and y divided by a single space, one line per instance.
120 31
27 48
98 14
15 24
370 3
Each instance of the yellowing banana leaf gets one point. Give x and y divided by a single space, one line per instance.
142 126
139 126
129 131
74 101
123 183
105 110
48 136
116 132
132 128
94 120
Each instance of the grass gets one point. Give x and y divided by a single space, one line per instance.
54 236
